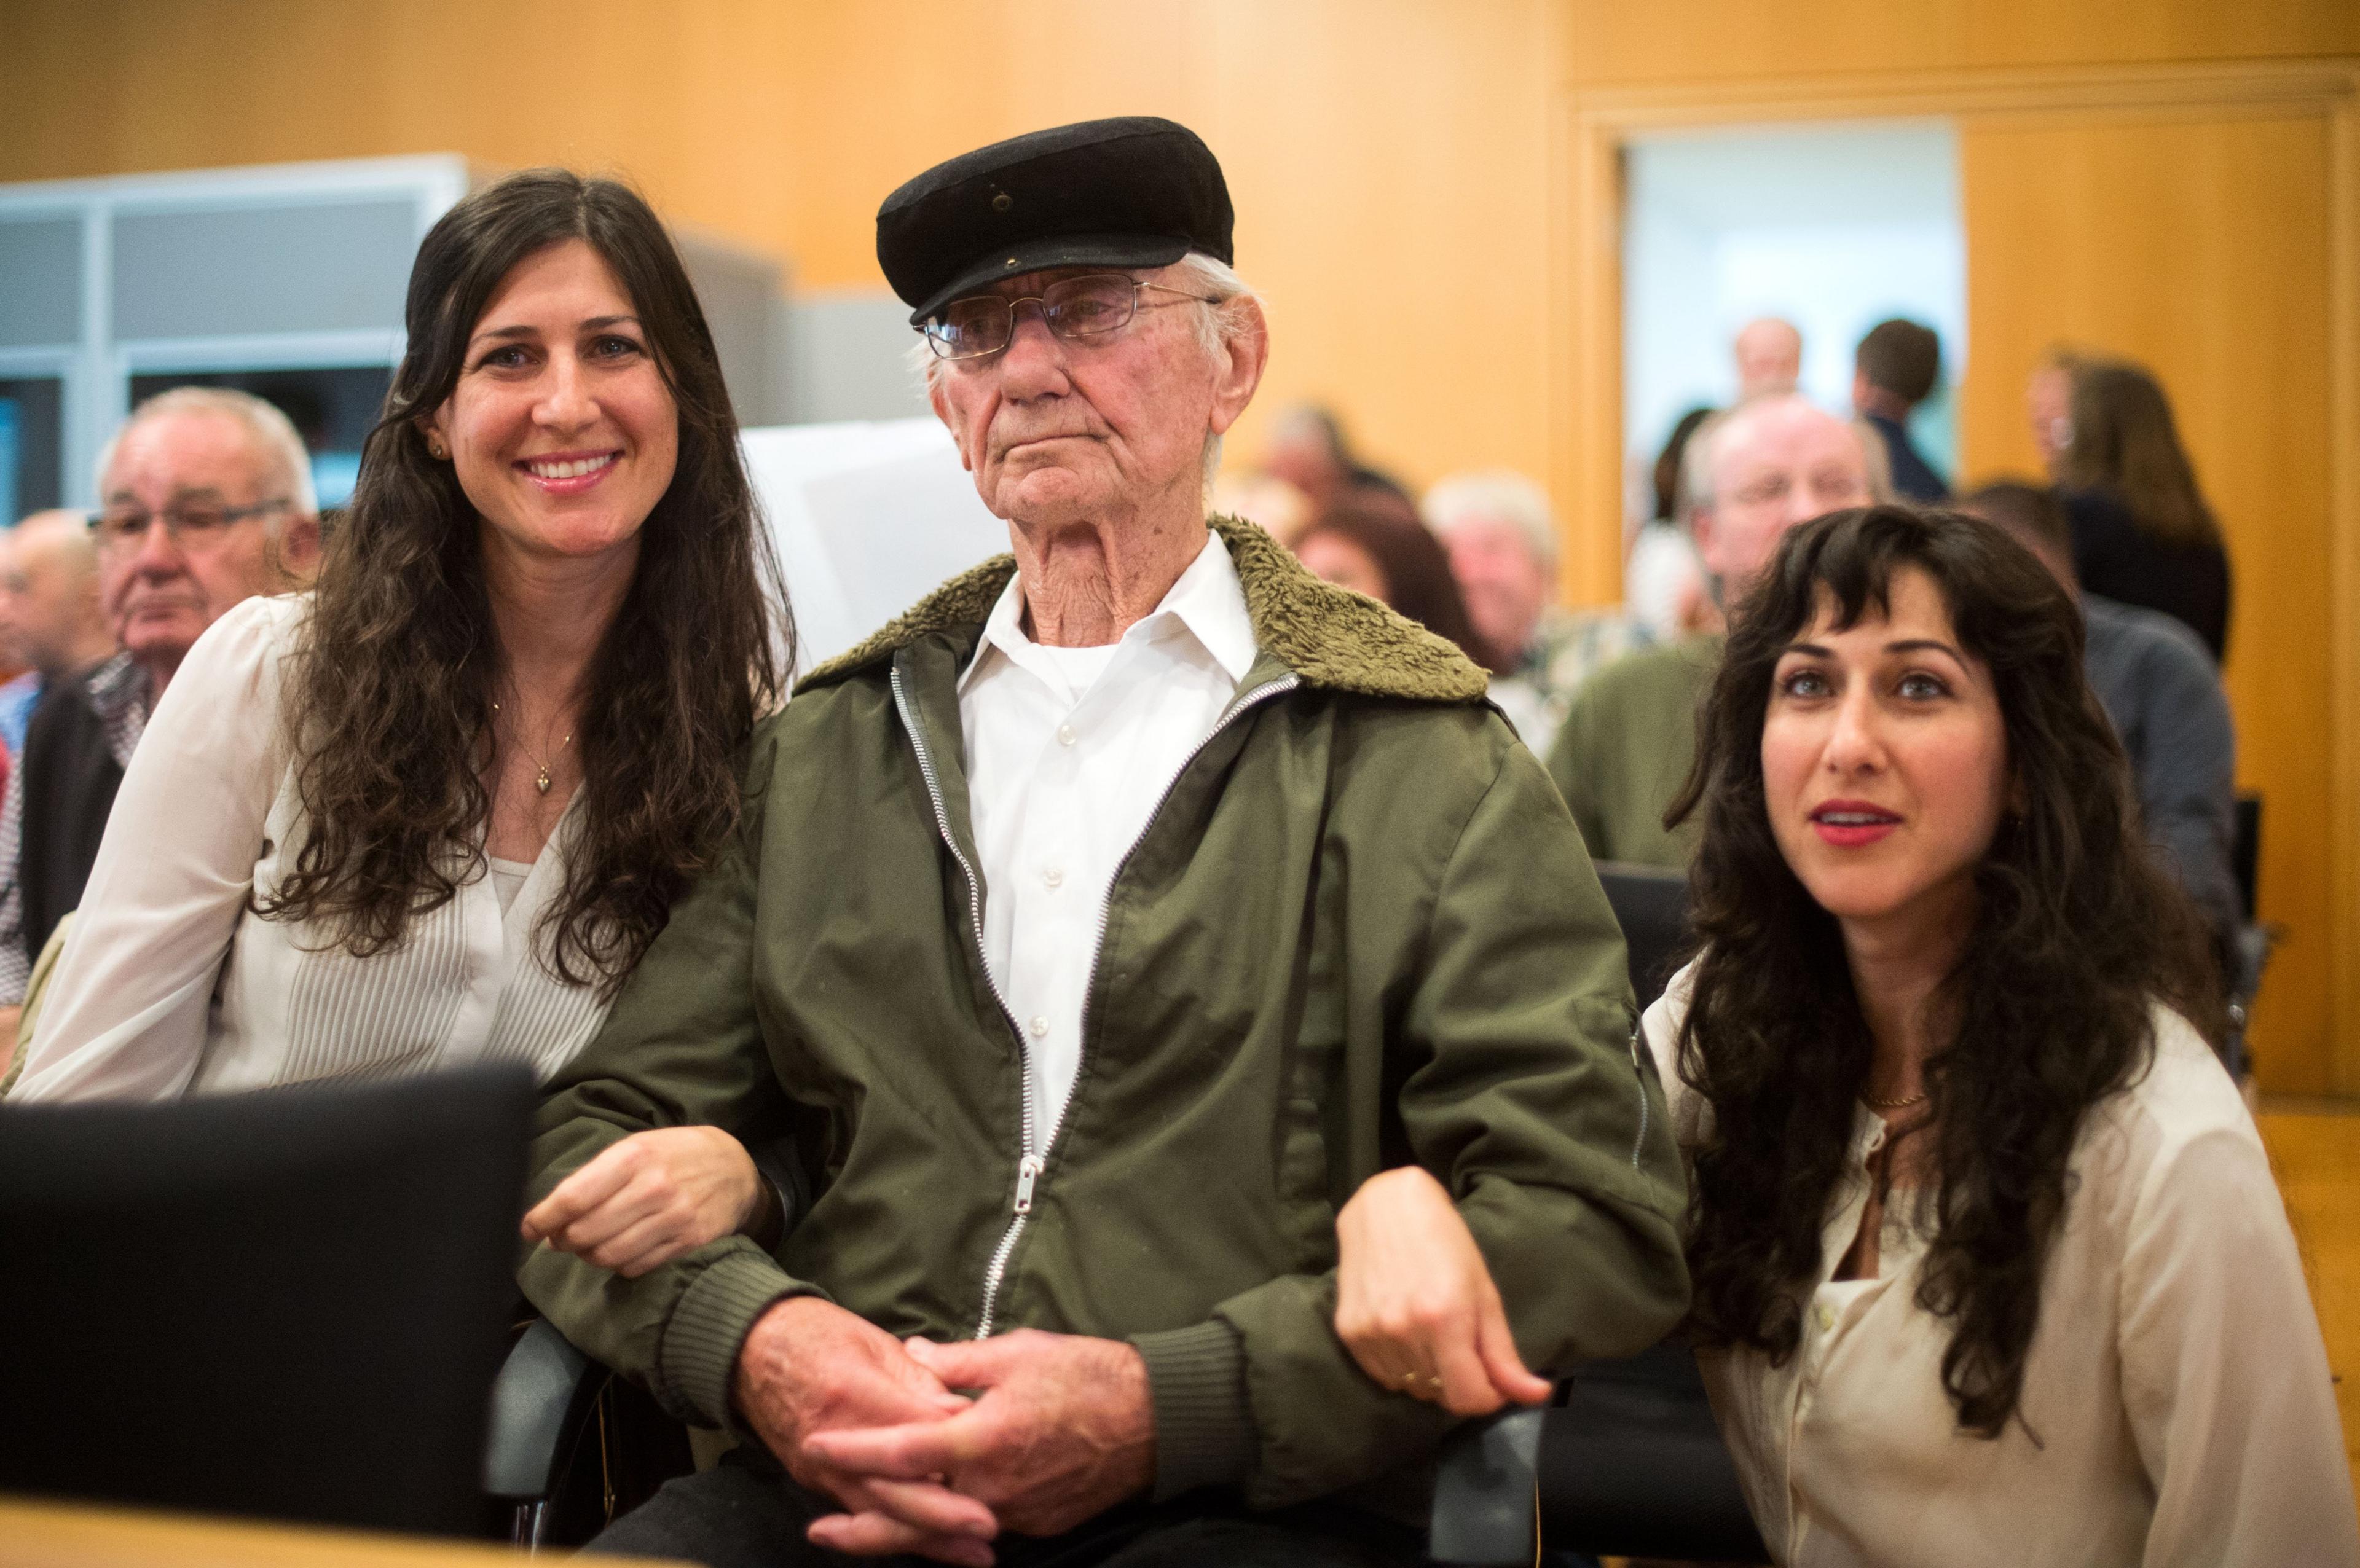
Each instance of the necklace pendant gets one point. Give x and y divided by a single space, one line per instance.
542 783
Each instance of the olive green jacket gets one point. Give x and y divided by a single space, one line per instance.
1626 746
1358 931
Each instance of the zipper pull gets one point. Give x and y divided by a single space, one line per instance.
1028 1171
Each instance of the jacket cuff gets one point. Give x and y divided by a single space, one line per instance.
1205 1433
696 1362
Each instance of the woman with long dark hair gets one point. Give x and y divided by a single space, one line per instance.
2143 532
1988 1262
432 813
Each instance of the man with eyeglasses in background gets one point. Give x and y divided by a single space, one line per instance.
1627 742
205 499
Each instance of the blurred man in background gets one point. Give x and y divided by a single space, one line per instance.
1630 737
1769 358
1893 370
1307 450
48 612
2161 688
1502 543
205 500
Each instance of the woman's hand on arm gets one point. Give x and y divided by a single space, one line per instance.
651 1198
1414 1303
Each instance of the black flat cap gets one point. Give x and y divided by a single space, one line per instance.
1136 191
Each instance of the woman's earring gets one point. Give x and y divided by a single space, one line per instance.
434 449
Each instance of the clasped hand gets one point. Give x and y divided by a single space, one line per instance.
1060 1427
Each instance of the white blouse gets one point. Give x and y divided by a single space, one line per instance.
171 985
2177 1380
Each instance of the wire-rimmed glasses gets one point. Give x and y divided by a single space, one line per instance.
192 524
1090 305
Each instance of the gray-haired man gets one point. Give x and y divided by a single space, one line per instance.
205 499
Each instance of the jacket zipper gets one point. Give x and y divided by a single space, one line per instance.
1033 1154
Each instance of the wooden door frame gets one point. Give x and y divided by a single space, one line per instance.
1589 131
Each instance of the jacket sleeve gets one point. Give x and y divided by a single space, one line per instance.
1526 1096
683 1048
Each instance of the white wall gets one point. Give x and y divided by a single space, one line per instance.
1834 228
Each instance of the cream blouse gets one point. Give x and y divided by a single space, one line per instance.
169 985
2176 1381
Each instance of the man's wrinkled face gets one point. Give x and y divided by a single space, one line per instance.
159 593
1057 429
1775 466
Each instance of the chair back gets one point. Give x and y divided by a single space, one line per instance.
2245 851
1652 906
1634 1464
287 1305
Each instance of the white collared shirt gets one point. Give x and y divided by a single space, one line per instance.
1069 750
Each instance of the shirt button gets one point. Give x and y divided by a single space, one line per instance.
1054 876
1827 1315
1040 1027
1065 735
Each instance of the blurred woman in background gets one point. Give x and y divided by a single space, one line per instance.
1989 1266
433 813
2143 533
1375 545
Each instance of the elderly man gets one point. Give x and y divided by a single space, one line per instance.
205 500
1503 544
1769 354
49 604
1629 738
1099 927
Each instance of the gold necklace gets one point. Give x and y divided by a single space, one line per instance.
1873 1103
541 779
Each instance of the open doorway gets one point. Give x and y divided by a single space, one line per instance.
1832 228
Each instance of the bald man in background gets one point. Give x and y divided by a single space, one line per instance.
1628 742
1769 358
49 613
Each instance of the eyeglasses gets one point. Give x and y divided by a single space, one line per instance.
195 528
1090 305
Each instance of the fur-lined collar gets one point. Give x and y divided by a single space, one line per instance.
1329 636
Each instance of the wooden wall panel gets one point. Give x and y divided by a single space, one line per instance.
1614 43
2200 250
1389 157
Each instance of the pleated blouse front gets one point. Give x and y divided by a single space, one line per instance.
169 983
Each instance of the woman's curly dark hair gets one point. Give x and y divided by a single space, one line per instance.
2077 932
391 693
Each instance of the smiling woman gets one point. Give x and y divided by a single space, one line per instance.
435 812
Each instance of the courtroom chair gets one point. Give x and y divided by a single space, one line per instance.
2255 940
1628 1463
288 1304
573 1447
1651 905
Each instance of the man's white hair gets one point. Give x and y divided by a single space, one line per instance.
1705 447
287 465
1501 495
1225 315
